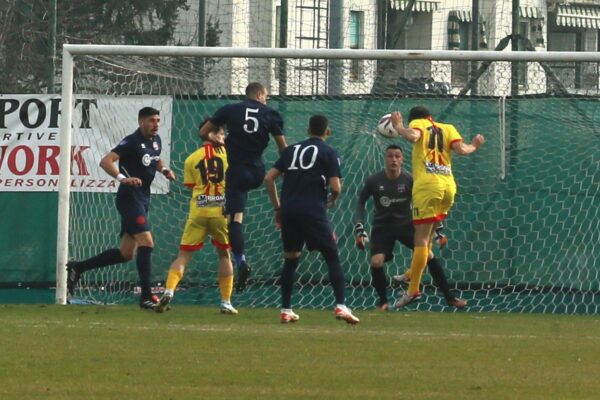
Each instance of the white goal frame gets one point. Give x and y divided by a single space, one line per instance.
70 51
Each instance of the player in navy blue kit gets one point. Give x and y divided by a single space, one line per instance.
308 169
249 125
391 190
139 158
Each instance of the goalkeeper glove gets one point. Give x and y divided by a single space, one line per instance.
439 238
361 236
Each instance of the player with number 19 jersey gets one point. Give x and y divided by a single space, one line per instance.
204 172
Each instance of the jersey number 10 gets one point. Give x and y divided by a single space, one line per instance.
300 161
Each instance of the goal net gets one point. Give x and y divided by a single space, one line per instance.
522 233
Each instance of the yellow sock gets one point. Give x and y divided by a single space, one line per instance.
417 267
173 279
226 287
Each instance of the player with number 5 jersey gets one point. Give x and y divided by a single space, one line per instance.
250 124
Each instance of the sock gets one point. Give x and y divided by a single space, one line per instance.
336 275
417 267
107 257
379 283
236 239
144 268
238 258
173 279
437 273
287 281
226 287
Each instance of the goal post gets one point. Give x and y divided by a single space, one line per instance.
518 234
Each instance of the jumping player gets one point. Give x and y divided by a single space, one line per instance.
434 186
249 125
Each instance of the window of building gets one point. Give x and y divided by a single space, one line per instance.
356 41
277 26
521 46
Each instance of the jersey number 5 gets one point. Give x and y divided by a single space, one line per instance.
211 170
251 124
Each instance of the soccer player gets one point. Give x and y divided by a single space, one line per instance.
204 173
139 158
392 221
249 124
309 167
434 187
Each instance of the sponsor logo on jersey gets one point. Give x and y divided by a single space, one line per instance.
438 169
386 201
147 159
206 200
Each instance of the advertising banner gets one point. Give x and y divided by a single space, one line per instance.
30 139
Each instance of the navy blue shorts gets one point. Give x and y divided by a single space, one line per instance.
134 216
316 232
240 179
384 238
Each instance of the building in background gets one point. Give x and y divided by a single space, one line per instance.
544 25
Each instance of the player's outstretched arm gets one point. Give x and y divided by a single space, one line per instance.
463 148
270 179
412 135
108 165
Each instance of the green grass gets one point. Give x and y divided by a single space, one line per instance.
120 352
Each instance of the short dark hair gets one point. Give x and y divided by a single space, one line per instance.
317 125
253 89
394 147
418 112
148 112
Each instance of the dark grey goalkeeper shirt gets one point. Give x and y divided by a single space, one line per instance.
392 200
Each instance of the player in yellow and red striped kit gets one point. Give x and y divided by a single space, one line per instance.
434 187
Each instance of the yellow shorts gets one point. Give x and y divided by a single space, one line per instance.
431 203
198 228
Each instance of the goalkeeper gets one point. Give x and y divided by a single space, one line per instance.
204 173
391 190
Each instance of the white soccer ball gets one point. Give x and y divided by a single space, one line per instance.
385 128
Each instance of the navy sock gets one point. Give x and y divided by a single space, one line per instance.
437 273
107 257
287 281
336 275
379 283
144 268
236 239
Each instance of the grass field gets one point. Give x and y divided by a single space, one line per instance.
120 352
